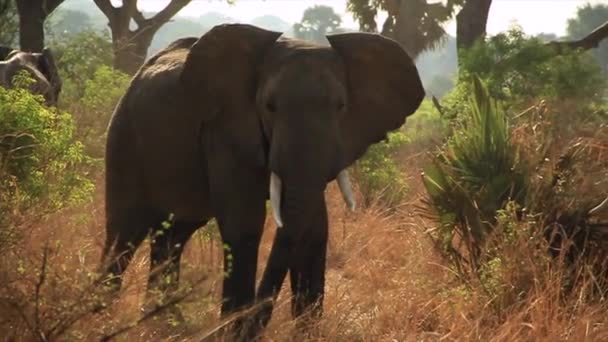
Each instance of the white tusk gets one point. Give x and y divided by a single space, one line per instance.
275 198
346 189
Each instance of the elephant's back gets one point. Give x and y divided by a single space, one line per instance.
163 156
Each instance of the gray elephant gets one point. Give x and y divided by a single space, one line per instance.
213 127
40 66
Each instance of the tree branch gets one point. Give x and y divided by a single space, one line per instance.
162 17
106 7
49 6
592 40
139 18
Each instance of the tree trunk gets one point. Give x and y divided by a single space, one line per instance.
131 48
405 29
31 27
32 14
471 22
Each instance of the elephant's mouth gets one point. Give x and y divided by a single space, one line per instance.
344 184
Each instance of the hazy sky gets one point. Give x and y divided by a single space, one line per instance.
534 16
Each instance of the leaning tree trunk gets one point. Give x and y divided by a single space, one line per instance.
32 14
471 22
31 27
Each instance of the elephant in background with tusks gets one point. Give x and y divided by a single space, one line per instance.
213 127
40 66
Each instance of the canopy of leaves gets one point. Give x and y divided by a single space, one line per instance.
316 22
589 17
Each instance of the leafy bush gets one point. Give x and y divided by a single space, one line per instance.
499 191
79 56
427 125
519 69
39 158
378 174
477 173
101 93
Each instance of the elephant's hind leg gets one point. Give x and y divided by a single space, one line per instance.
166 247
125 231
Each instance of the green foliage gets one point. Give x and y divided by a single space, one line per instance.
589 17
427 125
91 87
100 96
39 158
317 21
475 174
519 69
378 175
79 55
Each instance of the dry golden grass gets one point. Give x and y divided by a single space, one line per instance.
384 283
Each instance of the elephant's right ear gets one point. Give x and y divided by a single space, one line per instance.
221 65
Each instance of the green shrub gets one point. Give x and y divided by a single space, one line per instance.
427 125
474 175
378 174
40 161
79 56
519 69
101 93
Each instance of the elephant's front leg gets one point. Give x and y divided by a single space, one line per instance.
300 247
238 196
241 212
307 268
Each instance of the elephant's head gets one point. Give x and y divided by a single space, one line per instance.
309 111
40 66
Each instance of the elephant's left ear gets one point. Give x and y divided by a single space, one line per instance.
383 89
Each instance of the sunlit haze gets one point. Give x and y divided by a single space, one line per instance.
535 16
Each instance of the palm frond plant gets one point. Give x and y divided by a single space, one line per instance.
473 176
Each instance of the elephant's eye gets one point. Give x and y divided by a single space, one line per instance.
341 105
271 106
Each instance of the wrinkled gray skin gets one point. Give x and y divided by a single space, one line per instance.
40 66
205 122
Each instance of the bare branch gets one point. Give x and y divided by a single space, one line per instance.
48 6
167 13
106 7
139 18
130 6
592 40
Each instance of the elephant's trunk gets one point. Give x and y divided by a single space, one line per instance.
276 189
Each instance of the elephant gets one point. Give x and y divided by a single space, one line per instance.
41 67
214 127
